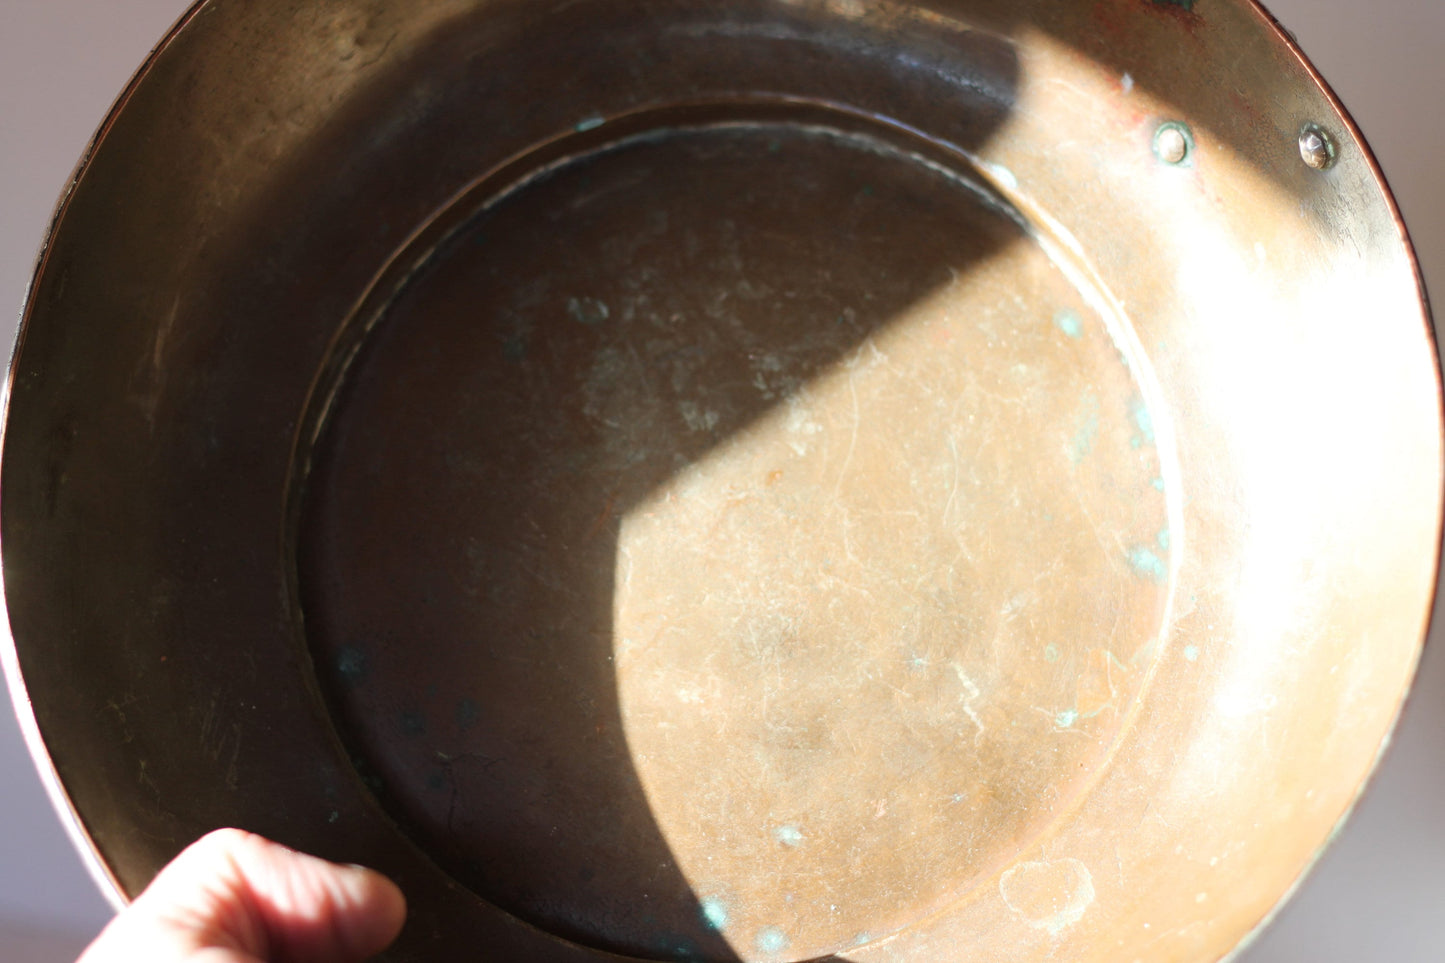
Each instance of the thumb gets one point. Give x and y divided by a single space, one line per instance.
233 897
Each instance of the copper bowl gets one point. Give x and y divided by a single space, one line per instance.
751 480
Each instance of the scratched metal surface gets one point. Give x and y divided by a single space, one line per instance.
703 414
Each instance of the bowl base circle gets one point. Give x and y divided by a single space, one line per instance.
733 541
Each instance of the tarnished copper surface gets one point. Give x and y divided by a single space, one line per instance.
738 481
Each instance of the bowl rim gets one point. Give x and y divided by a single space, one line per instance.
101 873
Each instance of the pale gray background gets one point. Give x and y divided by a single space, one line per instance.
1379 894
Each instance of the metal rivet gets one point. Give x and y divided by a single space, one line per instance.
1172 143
1316 146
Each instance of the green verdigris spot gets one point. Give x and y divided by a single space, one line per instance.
1069 323
789 835
1143 421
351 664
715 914
1186 4
587 310
1146 563
772 940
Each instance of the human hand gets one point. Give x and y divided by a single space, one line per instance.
233 897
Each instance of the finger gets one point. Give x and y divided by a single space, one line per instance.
310 910
234 897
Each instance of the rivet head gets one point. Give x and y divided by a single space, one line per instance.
1172 142
1316 146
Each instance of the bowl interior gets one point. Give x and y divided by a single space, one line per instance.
773 481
